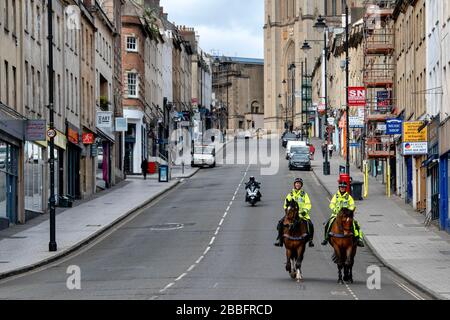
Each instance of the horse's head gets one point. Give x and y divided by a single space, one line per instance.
292 210
345 219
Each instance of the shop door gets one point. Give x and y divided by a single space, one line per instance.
73 173
409 178
435 192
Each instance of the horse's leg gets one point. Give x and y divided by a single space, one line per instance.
348 263
337 258
288 260
300 254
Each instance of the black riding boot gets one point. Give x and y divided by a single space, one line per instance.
311 233
325 241
279 242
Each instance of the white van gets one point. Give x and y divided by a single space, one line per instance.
291 144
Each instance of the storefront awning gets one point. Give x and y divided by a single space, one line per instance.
430 162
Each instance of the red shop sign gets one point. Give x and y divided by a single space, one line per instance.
72 135
356 96
88 138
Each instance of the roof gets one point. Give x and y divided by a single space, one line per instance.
242 60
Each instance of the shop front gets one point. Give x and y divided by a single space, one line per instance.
73 161
9 159
105 159
444 174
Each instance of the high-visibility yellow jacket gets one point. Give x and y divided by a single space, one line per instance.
340 201
304 203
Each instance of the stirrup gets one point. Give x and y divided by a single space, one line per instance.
311 244
278 244
360 243
324 242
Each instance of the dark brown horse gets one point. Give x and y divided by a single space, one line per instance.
344 243
295 236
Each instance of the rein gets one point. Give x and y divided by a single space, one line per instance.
340 235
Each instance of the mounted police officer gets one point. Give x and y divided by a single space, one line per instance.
342 199
304 203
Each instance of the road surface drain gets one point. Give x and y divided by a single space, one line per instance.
410 225
445 253
94 225
377 215
16 237
166 227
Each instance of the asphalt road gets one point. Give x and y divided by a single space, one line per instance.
201 241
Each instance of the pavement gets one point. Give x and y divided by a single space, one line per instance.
201 241
396 233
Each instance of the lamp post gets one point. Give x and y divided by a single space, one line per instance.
292 71
286 105
52 201
347 80
321 25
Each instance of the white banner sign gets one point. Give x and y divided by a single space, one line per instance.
356 118
104 119
415 148
121 124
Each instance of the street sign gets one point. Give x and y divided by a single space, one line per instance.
415 148
51 133
356 96
356 117
35 130
394 126
121 124
104 119
88 138
355 144
411 132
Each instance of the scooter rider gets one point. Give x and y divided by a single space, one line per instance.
252 182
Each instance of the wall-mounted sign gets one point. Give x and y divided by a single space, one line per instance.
35 130
356 117
394 126
356 96
104 119
73 135
415 148
121 124
411 132
88 138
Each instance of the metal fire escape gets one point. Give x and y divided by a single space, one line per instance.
379 75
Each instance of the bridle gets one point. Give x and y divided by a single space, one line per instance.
343 232
295 221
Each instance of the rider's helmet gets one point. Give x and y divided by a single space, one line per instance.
252 179
342 184
298 180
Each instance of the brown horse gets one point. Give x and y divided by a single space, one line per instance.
295 237
344 243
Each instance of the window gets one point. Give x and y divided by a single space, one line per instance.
132 85
39 92
60 102
13 7
58 30
32 18
27 9
33 88
132 44
76 95
71 92
7 82
91 48
38 24
27 84
14 87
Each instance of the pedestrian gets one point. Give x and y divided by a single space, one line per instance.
144 168
324 150
330 149
312 150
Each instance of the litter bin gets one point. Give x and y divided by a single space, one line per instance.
151 168
357 190
344 177
164 173
65 202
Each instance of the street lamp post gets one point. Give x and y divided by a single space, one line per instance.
347 77
321 25
52 201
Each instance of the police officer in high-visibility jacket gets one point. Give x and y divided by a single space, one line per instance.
342 199
304 203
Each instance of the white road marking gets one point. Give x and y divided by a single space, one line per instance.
351 292
154 298
167 287
409 290
215 286
191 268
181 277
212 240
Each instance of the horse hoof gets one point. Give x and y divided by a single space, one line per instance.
340 282
293 275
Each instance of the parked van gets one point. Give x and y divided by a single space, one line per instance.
291 144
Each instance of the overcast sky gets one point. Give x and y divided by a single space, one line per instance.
232 27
